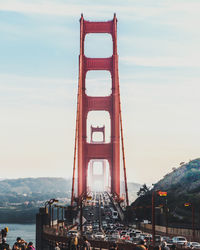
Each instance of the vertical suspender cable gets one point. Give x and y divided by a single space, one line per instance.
75 149
123 154
77 114
120 115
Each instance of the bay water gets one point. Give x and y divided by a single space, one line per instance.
25 231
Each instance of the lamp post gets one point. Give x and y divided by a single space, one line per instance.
166 217
160 193
81 216
57 214
153 218
49 203
164 194
193 218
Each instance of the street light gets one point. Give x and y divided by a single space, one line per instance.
160 193
58 214
49 203
193 218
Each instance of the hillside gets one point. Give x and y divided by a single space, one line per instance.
26 195
182 186
182 179
35 185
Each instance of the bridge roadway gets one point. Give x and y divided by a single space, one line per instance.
102 227
99 214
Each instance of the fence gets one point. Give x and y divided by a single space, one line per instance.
172 231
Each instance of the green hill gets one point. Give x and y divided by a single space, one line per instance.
35 185
182 186
25 195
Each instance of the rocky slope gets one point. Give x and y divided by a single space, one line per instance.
182 186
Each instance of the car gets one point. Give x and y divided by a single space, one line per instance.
158 238
148 238
123 233
179 240
99 236
115 235
142 236
88 235
125 237
72 233
137 234
104 224
195 245
110 238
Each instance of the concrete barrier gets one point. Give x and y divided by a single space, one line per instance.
172 231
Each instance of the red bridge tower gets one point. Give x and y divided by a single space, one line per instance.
105 151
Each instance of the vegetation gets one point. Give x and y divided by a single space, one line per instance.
20 199
144 190
182 186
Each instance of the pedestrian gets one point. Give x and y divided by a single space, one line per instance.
20 243
113 247
164 246
74 243
4 245
57 246
141 245
4 233
15 247
30 246
86 244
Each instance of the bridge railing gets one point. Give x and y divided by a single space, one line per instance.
172 231
64 242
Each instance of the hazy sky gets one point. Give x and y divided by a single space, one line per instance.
159 70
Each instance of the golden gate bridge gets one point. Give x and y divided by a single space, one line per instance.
87 154
86 206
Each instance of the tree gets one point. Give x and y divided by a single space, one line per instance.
143 190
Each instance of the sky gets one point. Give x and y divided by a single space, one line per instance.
159 72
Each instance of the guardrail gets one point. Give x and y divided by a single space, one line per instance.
64 242
117 207
172 231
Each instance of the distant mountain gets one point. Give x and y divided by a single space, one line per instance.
26 195
47 185
133 188
35 185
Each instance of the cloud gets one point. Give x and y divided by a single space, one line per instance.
161 61
49 8
132 10
23 90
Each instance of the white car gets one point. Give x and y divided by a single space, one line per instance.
116 235
195 245
72 233
137 234
179 240
99 236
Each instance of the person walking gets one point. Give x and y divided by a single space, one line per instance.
141 245
20 244
86 244
74 243
164 246
57 246
4 233
4 245
30 246
113 247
